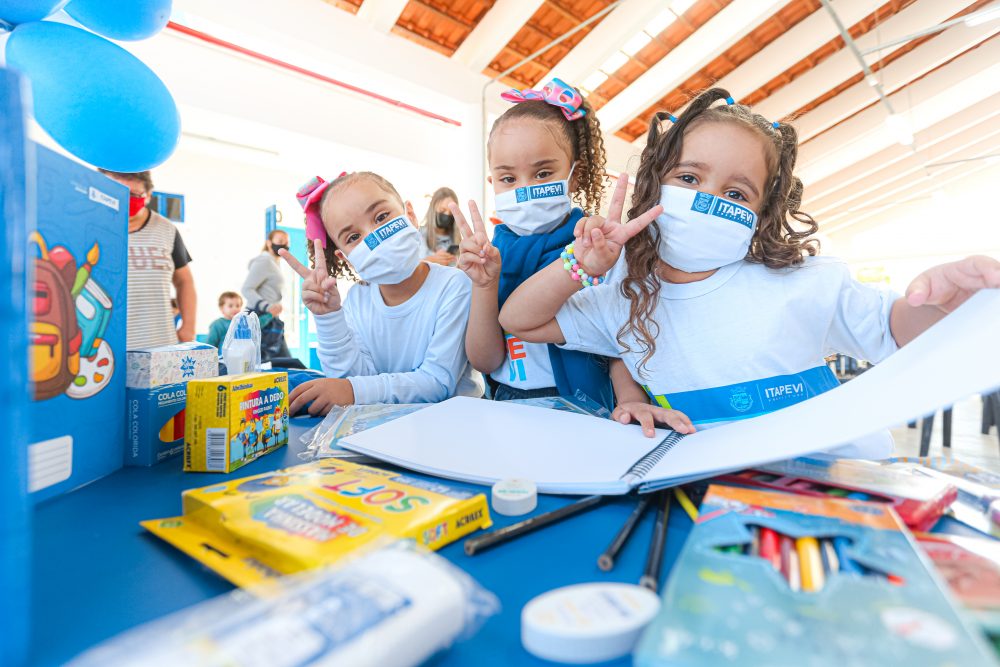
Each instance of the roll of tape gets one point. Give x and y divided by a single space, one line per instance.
514 497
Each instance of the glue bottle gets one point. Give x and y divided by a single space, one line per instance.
241 353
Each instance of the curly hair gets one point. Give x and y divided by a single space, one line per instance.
775 243
337 268
582 137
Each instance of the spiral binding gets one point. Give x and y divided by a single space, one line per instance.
649 461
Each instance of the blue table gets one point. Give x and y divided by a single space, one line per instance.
97 572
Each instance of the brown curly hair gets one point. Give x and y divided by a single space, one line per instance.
337 268
582 136
775 244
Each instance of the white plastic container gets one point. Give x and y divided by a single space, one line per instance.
240 353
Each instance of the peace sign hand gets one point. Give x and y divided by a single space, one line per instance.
599 241
477 256
319 288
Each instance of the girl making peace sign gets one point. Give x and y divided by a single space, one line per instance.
399 335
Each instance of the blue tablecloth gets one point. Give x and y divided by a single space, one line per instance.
97 572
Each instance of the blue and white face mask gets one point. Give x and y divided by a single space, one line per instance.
701 232
389 254
535 209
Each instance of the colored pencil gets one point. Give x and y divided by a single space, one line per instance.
810 564
769 549
845 562
754 541
686 503
654 559
790 563
830 562
606 560
474 545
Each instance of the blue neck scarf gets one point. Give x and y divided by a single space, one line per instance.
522 257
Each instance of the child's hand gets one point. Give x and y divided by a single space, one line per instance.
948 286
323 394
477 256
649 415
319 288
599 241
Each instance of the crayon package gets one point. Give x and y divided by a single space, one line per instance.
234 419
774 578
251 529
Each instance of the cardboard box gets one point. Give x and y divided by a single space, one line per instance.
155 424
156 366
79 259
234 419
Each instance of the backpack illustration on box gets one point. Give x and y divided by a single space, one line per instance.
70 315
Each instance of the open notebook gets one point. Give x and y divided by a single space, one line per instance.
483 441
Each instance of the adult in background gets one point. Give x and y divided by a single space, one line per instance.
440 233
262 291
157 260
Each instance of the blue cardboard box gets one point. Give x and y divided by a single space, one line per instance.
78 295
156 423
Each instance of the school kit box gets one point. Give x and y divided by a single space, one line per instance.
871 599
156 391
234 419
77 299
255 528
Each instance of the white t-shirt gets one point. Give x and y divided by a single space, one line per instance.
410 353
744 341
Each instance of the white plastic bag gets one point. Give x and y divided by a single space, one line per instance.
236 351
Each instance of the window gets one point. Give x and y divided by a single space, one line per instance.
170 206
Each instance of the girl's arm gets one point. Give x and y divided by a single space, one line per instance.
633 404
938 291
480 260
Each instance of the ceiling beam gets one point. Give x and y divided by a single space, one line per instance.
381 14
842 65
960 83
718 34
495 29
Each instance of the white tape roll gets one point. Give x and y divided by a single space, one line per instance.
587 623
514 497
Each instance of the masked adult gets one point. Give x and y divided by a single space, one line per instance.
262 291
439 230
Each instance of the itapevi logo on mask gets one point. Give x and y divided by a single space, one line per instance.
542 191
723 208
386 231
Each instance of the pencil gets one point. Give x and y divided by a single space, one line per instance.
810 564
831 563
790 562
686 503
769 550
474 545
840 545
606 560
654 559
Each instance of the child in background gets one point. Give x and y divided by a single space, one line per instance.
726 312
230 303
398 336
542 151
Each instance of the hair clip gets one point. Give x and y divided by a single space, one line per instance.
309 196
556 92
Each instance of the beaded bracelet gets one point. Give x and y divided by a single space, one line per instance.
576 272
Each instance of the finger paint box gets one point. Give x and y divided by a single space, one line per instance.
234 419
251 529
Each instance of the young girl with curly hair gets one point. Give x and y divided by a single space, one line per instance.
726 312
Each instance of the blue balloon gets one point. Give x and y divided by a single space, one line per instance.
141 18
96 99
25 11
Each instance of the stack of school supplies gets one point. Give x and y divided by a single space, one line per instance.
971 566
977 488
919 501
299 518
781 579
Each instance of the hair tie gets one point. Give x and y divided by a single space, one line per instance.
673 118
556 92
309 196
776 125
730 101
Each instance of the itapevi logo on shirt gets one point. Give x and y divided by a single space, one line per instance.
723 208
740 399
543 191
386 231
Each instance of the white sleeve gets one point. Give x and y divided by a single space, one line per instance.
583 324
339 349
860 325
438 375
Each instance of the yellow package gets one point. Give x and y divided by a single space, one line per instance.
234 419
290 520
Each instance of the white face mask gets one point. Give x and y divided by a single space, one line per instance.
701 232
389 254
535 209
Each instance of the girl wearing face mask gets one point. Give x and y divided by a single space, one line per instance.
398 336
262 291
439 230
726 312
544 152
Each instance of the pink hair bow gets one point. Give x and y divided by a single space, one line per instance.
309 196
556 92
